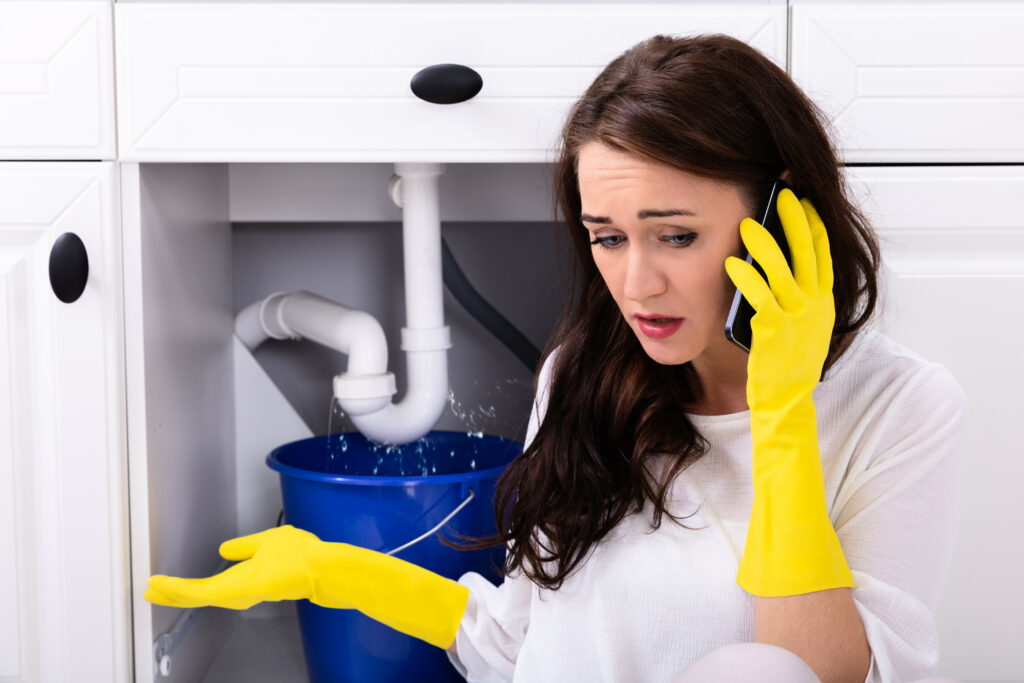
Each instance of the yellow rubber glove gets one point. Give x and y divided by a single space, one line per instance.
791 545
285 563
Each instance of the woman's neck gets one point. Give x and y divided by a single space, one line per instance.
722 374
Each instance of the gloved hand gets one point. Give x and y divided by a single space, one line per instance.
791 545
285 563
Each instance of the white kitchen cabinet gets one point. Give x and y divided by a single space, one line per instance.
56 80
331 82
915 82
64 600
953 240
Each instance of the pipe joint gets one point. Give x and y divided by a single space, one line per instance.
418 169
364 394
430 339
272 320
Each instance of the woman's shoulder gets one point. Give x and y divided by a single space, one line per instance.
547 369
877 370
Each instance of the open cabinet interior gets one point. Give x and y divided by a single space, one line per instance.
206 240
202 241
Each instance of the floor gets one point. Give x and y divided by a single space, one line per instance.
264 647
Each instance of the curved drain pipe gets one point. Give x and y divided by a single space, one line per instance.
425 338
367 384
365 390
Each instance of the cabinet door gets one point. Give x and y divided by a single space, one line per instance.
331 82
918 81
63 523
56 80
954 245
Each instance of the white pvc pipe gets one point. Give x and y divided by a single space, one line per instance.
355 333
421 245
365 391
248 327
425 339
418 411
367 383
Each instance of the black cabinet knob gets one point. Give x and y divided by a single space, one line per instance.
69 267
446 83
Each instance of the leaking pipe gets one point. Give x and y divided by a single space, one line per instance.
425 338
365 390
367 384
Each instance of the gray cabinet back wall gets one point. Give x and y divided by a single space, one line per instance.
519 267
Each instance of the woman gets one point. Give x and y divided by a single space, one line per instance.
818 474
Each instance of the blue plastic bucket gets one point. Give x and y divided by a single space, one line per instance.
345 488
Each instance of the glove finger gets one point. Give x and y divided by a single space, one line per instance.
822 249
157 598
765 250
750 283
194 595
801 245
244 547
227 589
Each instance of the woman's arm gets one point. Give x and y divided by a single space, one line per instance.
823 628
792 562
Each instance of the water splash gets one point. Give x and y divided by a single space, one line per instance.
500 407
426 457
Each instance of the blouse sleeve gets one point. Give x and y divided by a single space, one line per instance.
897 516
494 624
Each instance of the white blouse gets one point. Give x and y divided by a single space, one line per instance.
646 604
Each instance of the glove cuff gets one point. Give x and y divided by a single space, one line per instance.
399 594
793 560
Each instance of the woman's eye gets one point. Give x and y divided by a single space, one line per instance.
680 240
609 242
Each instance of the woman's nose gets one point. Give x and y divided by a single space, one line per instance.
644 279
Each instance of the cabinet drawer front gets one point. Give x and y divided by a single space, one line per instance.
332 82
56 80
949 220
916 82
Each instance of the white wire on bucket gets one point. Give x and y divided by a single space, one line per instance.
434 530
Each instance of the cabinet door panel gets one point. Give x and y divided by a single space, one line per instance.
916 81
954 246
63 524
13 666
56 80
332 82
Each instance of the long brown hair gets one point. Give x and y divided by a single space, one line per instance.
715 107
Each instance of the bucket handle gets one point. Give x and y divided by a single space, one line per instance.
436 528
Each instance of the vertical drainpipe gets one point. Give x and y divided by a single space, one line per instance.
425 338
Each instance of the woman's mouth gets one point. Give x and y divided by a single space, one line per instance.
658 326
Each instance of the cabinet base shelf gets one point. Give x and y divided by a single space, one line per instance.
264 647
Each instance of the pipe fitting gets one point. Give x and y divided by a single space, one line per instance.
420 408
363 394
272 320
432 339
367 385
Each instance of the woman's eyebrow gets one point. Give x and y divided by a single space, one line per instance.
646 213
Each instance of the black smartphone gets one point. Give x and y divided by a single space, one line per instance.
737 326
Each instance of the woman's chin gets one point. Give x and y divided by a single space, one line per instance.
664 351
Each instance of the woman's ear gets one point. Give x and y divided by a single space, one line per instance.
786 177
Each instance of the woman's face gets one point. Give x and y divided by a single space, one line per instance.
662 239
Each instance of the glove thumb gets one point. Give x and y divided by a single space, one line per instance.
244 547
